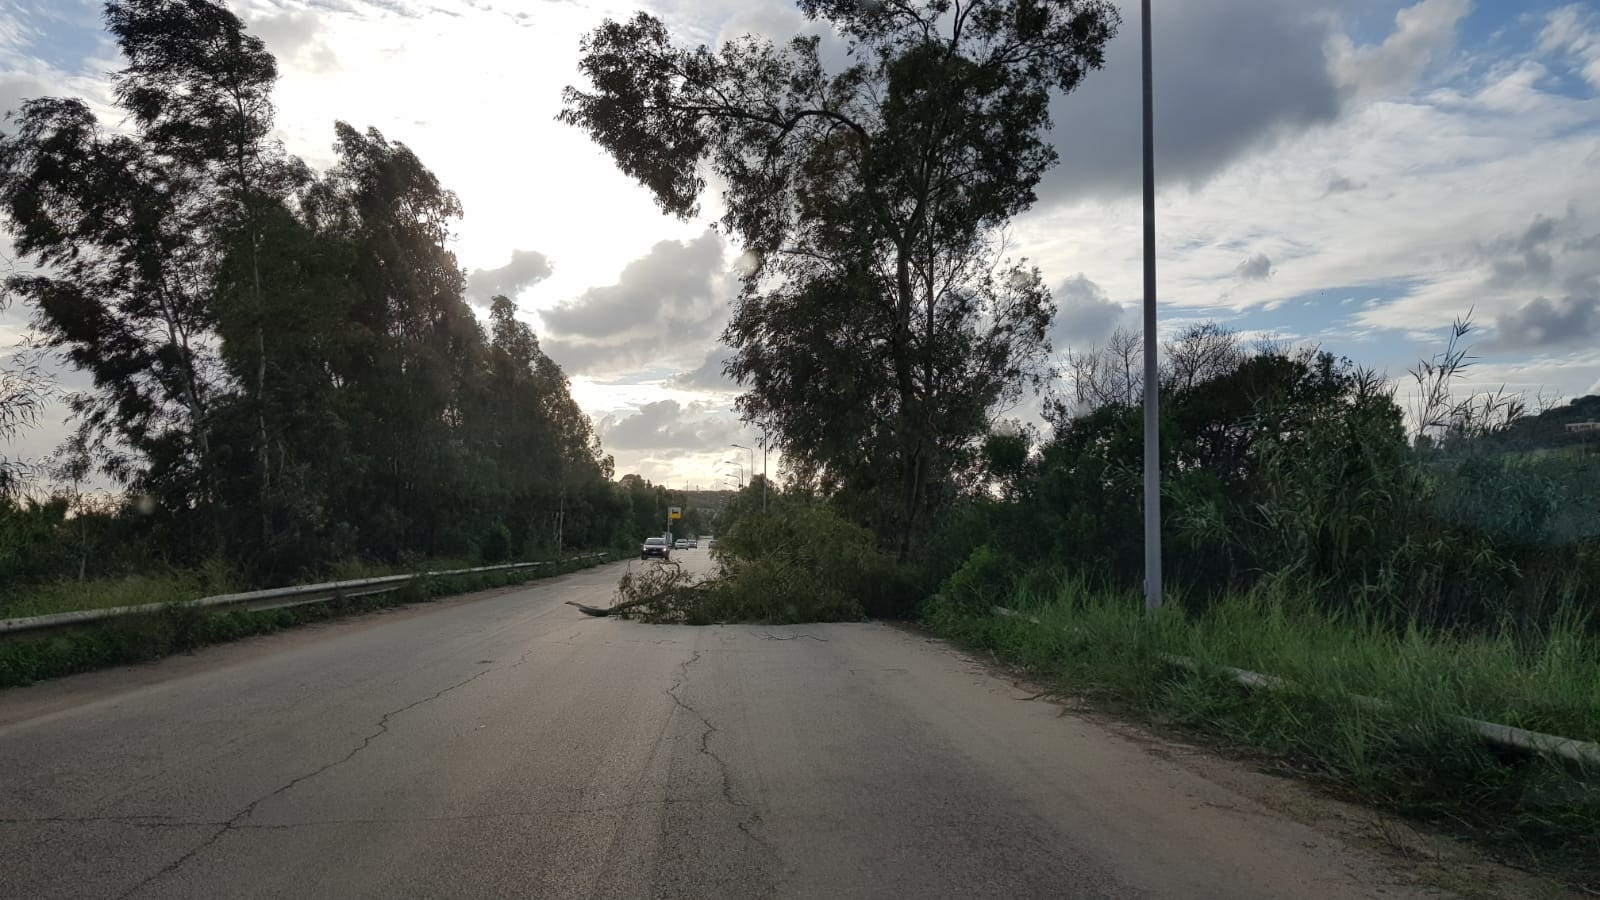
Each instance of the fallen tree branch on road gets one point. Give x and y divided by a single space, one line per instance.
610 610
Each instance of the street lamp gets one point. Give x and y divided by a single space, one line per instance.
1152 421
734 462
763 466
752 456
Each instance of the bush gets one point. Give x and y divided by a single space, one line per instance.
985 579
893 591
495 545
800 562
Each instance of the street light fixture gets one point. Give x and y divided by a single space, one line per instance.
763 466
734 462
752 455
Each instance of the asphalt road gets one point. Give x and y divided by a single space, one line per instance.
507 746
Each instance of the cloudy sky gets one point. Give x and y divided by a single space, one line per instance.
1355 173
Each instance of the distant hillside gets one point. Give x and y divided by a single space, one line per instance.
1549 428
708 500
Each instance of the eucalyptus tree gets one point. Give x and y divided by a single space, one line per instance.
879 324
199 88
118 286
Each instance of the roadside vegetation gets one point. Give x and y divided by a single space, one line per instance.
1450 569
26 658
797 562
289 382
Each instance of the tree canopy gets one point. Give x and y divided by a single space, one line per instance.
285 369
880 323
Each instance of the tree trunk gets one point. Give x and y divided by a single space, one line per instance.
909 415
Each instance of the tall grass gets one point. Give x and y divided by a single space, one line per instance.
1412 755
177 585
132 590
26 658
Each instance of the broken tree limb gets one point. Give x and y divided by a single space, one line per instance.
610 610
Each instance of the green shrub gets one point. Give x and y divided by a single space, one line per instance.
495 545
986 578
800 562
892 591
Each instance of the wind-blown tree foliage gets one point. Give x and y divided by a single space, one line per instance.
878 325
285 368
121 290
543 446
199 88
24 392
1292 469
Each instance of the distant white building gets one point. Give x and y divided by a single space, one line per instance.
1575 427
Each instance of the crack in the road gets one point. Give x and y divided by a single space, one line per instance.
769 636
131 821
233 823
749 825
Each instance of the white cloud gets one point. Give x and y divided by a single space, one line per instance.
1256 268
1422 34
709 376
526 269
669 425
1085 315
292 34
663 311
676 441
475 94
1575 31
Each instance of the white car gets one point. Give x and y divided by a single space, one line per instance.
681 544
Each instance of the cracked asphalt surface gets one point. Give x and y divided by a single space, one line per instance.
505 745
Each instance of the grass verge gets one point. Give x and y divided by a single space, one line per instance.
1412 757
205 580
177 628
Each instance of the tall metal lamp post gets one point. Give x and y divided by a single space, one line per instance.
1152 419
763 467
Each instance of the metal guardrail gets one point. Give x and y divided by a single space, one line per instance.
1579 753
270 598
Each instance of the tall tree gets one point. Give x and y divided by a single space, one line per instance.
543 444
200 90
24 392
869 202
120 288
415 351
